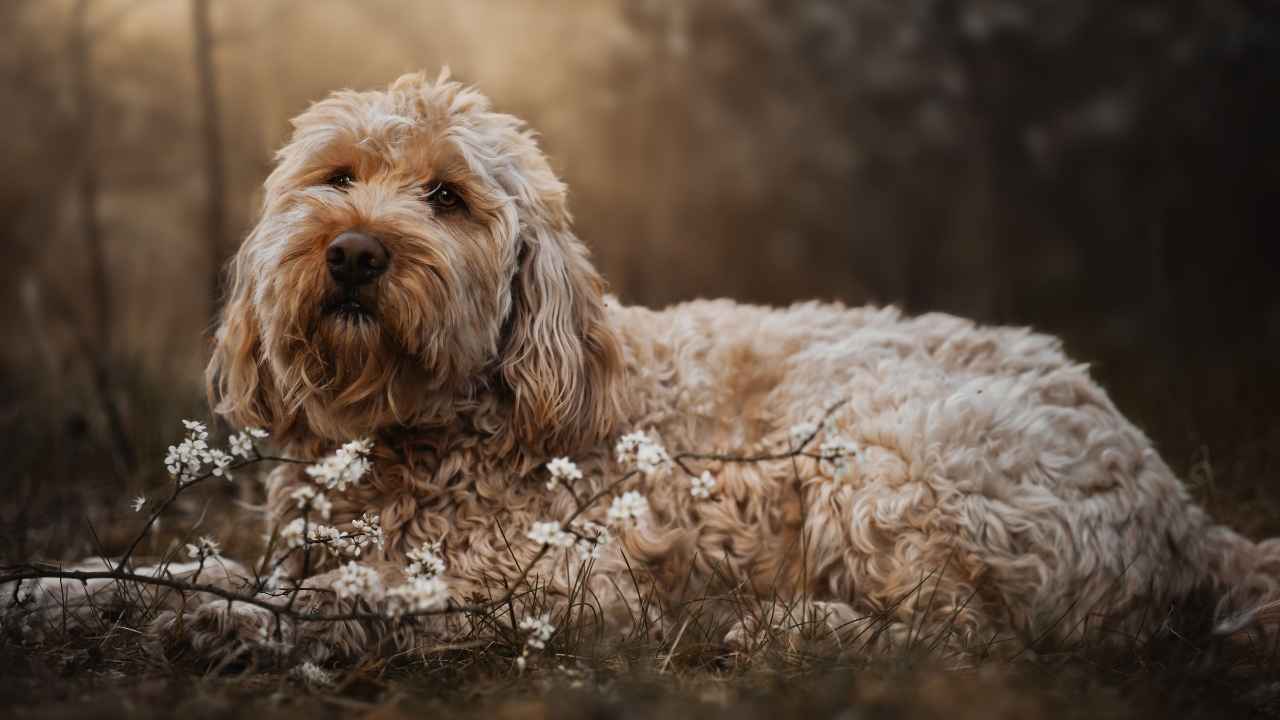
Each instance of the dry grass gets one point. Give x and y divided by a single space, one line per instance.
112 674
67 502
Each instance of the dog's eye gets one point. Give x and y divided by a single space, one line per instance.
443 198
341 179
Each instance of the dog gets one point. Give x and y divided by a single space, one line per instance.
415 279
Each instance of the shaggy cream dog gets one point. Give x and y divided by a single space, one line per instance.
415 280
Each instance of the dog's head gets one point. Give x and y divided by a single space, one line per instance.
414 258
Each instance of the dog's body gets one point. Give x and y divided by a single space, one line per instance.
996 491
414 279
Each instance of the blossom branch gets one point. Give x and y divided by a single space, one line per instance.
192 462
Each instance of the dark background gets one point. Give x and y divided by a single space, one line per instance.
1101 170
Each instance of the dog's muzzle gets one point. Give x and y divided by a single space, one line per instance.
356 258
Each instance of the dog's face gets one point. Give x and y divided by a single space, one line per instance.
414 258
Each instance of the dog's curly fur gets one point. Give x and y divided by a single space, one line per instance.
991 466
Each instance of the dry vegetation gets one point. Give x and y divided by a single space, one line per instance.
118 660
1100 170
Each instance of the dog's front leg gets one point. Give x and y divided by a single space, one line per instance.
323 617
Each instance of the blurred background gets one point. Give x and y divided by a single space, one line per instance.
1106 171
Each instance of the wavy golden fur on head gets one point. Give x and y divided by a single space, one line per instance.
497 304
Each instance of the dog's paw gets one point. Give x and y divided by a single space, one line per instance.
21 611
33 610
791 625
229 633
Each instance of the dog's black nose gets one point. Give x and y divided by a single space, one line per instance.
356 258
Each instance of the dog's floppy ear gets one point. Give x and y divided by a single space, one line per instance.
560 359
238 380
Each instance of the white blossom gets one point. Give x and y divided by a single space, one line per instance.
138 502
308 498
205 547
540 630
638 450
702 487
241 445
358 581
563 470
186 459
550 533
627 446
651 459
344 467
320 503
834 454
419 594
425 562
193 457
292 533
592 537
312 674
837 448
221 463
196 429
368 531
801 433
333 540
630 506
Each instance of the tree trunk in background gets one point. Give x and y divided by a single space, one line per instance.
211 132
96 348
87 179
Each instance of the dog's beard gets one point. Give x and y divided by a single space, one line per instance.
401 349
394 353
349 343
349 309
337 356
